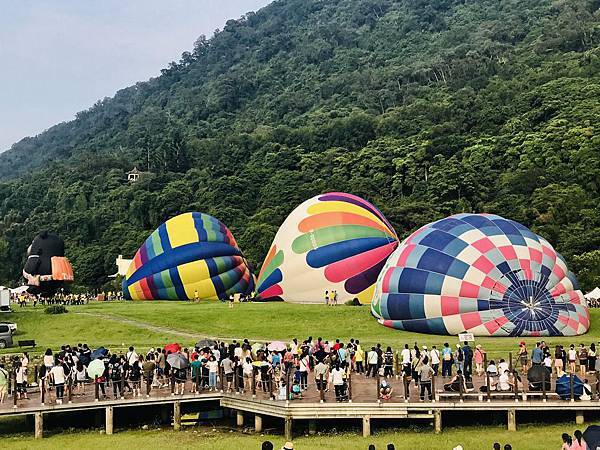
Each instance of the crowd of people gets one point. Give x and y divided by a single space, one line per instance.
283 372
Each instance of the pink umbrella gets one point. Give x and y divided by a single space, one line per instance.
277 346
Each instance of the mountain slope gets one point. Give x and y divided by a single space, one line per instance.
425 108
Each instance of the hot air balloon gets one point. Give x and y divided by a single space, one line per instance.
47 269
482 274
332 242
190 256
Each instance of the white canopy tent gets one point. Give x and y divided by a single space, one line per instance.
594 295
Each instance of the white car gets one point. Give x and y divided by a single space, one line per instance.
11 326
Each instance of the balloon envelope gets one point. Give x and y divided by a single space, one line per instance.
482 274
332 242
189 256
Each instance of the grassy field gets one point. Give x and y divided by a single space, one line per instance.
150 324
145 325
545 437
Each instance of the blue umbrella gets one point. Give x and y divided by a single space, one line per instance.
563 387
99 353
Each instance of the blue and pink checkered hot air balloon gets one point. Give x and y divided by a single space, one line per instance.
483 274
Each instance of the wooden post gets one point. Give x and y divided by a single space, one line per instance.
271 396
109 419
512 420
366 426
122 384
35 374
349 387
258 423
437 421
572 387
516 386
397 365
510 362
197 380
287 384
240 418
377 387
321 390
489 386
544 396
43 391
176 415
288 428
39 425
172 381
221 377
433 388
96 390
312 427
579 417
254 382
70 390
14 377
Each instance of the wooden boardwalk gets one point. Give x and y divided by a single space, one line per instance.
364 405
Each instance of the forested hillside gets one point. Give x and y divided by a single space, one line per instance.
424 107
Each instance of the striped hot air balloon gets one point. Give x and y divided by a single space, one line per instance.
190 255
332 242
482 274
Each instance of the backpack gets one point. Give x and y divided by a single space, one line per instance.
116 372
460 355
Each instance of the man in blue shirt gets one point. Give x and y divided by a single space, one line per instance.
537 355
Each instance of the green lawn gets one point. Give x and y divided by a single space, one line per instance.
101 324
471 438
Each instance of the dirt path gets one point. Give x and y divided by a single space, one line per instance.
160 329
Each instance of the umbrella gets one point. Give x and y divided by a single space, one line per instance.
95 369
173 348
256 347
536 375
277 346
203 343
99 353
563 387
177 361
592 436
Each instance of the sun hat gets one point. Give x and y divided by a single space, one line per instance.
288 446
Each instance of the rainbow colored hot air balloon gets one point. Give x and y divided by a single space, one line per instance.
189 256
332 242
482 274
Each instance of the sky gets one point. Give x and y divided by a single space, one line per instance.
58 57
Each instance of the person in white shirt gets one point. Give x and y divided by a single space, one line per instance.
587 391
406 359
504 383
131 356
502 366
58 376
435 360
337 379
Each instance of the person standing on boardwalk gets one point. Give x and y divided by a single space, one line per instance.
523 357
434 355
425 373
447 360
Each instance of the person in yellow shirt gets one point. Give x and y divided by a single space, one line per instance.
359 357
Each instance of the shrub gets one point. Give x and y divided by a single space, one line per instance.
56 309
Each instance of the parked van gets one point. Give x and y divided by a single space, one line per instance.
6 339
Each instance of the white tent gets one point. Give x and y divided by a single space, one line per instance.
19 290
594 295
